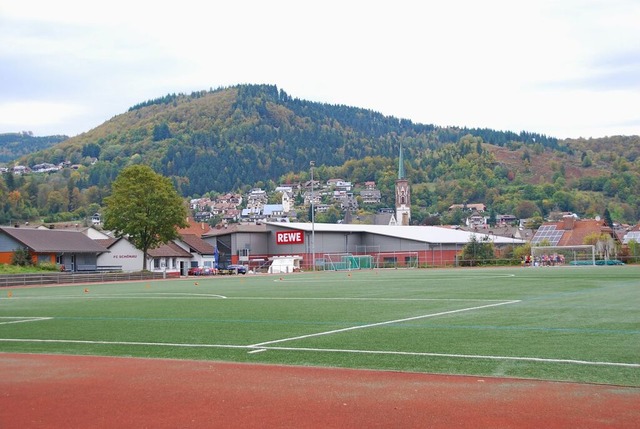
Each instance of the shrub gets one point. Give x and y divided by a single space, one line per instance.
21 257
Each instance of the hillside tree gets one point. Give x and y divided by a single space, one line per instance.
144 207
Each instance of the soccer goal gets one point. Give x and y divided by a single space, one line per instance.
397 260
346 261
563 255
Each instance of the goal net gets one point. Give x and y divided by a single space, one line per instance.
563 255
397 260
346 261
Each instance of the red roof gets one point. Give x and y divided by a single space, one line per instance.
195 228
575 231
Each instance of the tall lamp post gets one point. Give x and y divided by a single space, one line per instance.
313 220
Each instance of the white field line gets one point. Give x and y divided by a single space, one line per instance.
453 355
316 350
296 279
388 322
121 343
270 298
152 295
23 319
256 298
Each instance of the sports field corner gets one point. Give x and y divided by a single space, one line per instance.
538 347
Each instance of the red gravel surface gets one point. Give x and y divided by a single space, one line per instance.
53 391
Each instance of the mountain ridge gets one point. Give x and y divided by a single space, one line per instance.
257 135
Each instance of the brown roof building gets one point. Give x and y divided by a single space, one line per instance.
570 231
68 248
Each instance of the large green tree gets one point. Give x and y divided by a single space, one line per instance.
478 251
145 207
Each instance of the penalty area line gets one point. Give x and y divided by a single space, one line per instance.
23 319
387 322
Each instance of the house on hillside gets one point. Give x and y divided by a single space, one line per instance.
570 231
476 220
633 234
197 228
70 249
479 207
370 195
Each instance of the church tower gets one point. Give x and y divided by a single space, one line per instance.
403 195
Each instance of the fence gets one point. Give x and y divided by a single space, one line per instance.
7 280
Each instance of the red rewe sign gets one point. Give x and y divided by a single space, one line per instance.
290 237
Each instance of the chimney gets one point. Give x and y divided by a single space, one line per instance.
569 222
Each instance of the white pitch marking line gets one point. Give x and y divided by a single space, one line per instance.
369 280
388 322
305 349
23 319
120 343
461 356
373 298
257 351
126 296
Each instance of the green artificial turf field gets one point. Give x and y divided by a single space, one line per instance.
556 323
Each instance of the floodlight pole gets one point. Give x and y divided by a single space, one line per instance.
313 220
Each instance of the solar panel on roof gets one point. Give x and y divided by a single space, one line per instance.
633 235
548 233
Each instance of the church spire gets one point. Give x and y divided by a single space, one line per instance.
401 175
403 195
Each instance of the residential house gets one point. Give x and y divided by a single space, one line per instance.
370 195
288 202
230 198
169 258
479 207
257 198
348 202
202 252
339 184
195 227
312 197
506 219
570 231
632 233
476 220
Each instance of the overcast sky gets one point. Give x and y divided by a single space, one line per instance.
564 68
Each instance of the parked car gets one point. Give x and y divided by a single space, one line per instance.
240 269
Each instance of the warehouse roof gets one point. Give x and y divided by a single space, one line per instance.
426 234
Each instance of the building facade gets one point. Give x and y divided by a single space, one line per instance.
257 245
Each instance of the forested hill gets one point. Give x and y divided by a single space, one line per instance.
15 145
222 139
232 139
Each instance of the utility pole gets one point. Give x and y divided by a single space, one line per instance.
313 220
